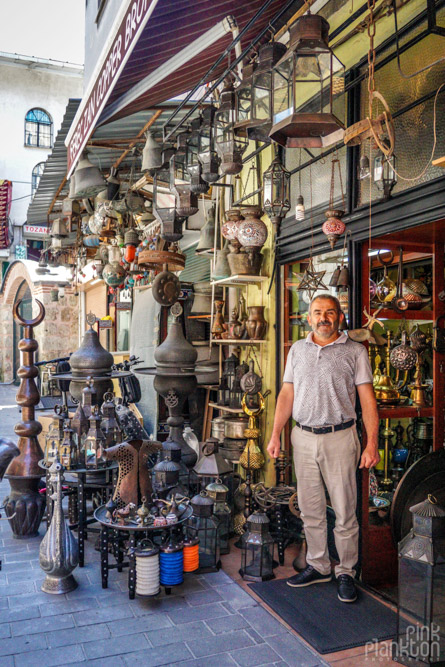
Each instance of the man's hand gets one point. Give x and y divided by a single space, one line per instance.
370 457
274 446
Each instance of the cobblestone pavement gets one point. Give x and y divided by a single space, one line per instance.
208 621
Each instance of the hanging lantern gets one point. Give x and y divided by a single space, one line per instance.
204 526
230 147
89 180
164 206
419 639
98 263
364 170
276 191
171 563
147 569
306 82
257 547
218 492
207 154
254 94
113 184
334 226
180 179
385 176
113 273
151 154
131 242
94 442
194 167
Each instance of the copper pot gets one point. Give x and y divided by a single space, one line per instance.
244 263
256 325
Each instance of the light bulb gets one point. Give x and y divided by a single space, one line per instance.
299 208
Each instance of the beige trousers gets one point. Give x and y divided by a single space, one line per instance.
332 458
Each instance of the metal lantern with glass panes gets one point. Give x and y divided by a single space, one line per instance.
181 180
203 525
68 452
94 442
151 154
207 154
229 369
110 425
306 82
276 191
113 272
420 636
54 436
257 547
164 206
194 143
385 176
229 146
254 94
218 492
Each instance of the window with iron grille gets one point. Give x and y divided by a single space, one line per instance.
38 129
35 177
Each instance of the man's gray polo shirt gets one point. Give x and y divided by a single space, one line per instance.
325 379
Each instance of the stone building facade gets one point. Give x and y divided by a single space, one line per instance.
57 336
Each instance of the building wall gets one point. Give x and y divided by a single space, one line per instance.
96 34
57 336
28 83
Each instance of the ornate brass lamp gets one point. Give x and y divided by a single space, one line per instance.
276 191
198 185
164 206
207 154
306 82
181 180
385 176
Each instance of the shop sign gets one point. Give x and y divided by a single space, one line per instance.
133 22
35 231
105 324
123 306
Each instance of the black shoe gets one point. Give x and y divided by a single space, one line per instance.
307 577
346 588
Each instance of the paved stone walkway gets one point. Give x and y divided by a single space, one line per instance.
208 621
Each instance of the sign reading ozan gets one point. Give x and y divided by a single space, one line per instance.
136 16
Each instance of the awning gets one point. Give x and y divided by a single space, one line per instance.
170 48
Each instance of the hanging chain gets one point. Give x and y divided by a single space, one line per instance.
331 195
246 184
371 52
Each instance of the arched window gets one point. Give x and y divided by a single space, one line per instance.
38 129
36 174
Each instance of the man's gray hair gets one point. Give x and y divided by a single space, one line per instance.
326 295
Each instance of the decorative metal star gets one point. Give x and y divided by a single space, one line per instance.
312 280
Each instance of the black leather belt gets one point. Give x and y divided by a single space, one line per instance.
327 429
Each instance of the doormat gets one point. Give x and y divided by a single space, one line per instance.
327 624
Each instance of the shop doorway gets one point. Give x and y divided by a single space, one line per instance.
25 311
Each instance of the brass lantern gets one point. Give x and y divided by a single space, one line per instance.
276 191
164 206
229 146
207 154
194 167
54 437
257 549
94 442
181 181
385 176
306 82
254 94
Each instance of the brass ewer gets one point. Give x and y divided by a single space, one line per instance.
252 457
417 396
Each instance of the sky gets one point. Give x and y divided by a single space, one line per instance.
52 29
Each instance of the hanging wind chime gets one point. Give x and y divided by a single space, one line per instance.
334 226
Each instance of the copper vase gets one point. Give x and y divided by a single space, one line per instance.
256 325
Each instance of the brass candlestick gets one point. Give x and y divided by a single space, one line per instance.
387 433
384 389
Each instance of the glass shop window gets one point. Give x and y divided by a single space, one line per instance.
38 129
35 177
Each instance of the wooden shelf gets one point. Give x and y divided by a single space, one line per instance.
225 408
404 412
234 341
240 281
388 314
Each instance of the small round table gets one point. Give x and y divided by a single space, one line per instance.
136 533
81 484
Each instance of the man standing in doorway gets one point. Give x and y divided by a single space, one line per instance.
320 381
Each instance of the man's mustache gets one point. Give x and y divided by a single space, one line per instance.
320 324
